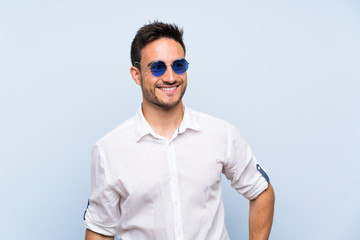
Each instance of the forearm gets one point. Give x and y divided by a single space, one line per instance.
90 235
261 215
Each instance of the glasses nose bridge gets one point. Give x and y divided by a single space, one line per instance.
169 64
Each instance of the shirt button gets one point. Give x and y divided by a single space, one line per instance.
176 202
178 233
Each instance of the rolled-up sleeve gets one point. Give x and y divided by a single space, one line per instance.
241 167
103 212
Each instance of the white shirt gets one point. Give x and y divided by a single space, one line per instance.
144 186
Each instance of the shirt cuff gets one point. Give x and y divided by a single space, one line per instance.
259 188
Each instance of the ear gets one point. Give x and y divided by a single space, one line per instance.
135 73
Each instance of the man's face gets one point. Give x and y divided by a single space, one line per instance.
167 90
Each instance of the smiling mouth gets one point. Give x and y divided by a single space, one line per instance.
168 88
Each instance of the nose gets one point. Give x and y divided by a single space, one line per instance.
169 75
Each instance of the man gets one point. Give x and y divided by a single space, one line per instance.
158 174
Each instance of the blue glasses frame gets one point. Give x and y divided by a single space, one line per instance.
158 68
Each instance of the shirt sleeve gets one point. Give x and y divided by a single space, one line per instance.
103 212
241 167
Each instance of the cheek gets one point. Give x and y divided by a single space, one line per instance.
148 83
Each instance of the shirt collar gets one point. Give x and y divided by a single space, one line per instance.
142 127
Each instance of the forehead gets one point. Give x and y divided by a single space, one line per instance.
165 49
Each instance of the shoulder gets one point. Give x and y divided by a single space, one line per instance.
216 125
122 133
217 130
208 121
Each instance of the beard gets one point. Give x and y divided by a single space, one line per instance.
149 94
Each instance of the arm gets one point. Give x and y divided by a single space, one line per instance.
90 235
261 215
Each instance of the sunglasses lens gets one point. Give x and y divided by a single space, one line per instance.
158 68
180 66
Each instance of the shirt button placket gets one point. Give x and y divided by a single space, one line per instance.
175 192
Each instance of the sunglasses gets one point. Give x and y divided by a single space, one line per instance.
158 68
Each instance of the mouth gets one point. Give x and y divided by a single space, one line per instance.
168 89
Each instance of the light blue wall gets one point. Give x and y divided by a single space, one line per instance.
286 73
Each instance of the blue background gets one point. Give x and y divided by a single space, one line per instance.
286 73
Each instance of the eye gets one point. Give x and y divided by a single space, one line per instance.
157 66
179 64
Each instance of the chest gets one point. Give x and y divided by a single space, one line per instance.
147 170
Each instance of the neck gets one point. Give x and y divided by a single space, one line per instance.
163 121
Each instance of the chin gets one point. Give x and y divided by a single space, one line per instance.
169 105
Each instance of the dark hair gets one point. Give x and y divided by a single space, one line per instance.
151 32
